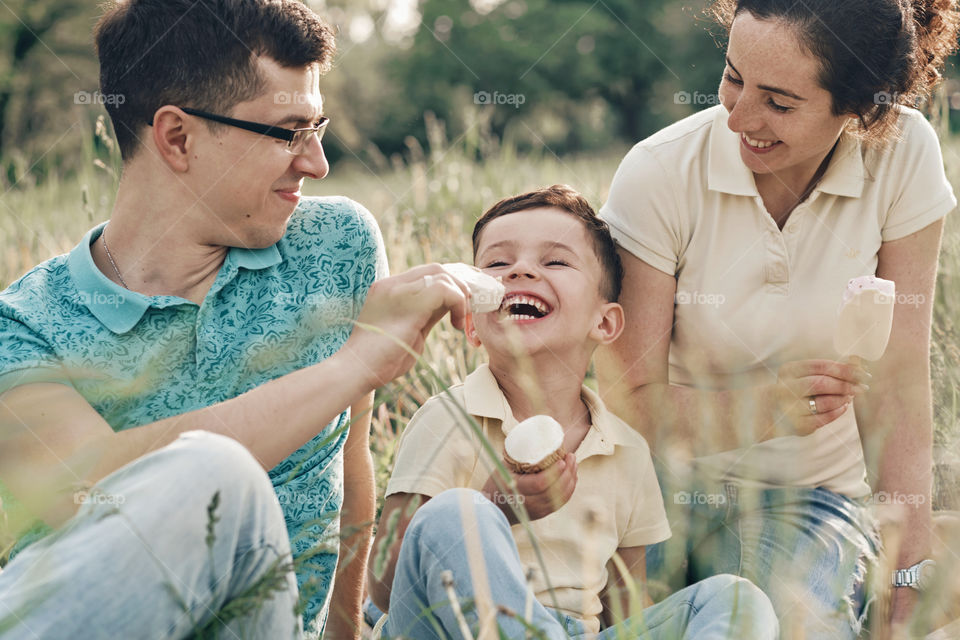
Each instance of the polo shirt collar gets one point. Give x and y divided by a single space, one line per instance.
727 173
483 398
120 309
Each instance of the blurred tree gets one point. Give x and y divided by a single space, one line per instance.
649 62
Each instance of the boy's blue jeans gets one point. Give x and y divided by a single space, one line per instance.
150 554
808 549
722 607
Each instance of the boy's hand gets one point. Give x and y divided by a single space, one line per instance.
405 307
539 493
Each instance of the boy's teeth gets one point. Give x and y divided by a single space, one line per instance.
760 144
534 302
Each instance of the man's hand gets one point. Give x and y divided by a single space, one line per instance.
402 310
539 493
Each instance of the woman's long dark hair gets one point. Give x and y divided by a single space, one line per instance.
873 54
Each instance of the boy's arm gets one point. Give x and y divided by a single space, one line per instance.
616 596
398 511
356 525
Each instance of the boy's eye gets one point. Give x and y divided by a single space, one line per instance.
555 262
496 263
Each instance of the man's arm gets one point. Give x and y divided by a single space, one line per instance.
50 432
616 597
398 511
356 525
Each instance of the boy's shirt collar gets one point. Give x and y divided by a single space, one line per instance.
483 398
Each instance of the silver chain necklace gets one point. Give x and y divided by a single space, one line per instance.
103 236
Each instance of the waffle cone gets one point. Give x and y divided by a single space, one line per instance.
534 467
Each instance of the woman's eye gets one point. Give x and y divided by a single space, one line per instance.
778 107
732 80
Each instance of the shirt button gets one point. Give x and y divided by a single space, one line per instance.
793 228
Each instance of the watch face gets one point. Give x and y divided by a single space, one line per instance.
925 572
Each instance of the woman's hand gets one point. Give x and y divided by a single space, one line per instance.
812 393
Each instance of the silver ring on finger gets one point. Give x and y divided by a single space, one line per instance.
813 405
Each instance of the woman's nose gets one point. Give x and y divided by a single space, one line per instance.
744 116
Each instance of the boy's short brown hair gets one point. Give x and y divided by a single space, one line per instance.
563 197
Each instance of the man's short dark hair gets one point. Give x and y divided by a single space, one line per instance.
198 53
567 199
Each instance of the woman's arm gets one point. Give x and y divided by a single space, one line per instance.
895 417
633 378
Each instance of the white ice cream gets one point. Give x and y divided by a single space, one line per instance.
486 292
866 317
534 439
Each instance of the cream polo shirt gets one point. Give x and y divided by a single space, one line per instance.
616 489
751 297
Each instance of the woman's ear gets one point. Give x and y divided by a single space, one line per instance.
610 323
471 331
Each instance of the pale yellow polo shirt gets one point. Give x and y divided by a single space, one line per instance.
616 488
751 297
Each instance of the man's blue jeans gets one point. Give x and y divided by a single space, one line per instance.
152 554
722 607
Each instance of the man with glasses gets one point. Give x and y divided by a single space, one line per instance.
215 307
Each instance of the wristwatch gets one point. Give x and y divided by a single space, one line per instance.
917 577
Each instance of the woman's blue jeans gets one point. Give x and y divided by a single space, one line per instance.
808 549
437 540
152 554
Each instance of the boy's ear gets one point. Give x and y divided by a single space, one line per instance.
471 331
610 323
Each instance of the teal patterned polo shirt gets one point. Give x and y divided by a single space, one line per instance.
138 359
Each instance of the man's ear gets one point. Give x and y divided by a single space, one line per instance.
471 331
173 137
610 323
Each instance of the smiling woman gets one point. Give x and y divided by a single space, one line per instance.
767 205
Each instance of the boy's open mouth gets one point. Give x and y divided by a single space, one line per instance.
524 307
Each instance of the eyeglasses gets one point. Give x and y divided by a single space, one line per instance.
296 138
